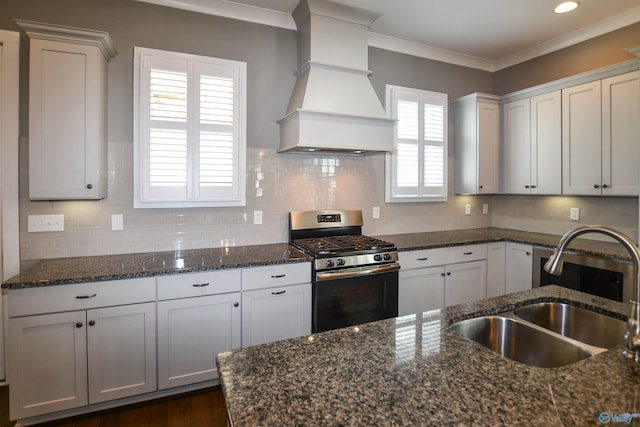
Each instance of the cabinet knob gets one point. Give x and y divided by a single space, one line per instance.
527 186
89 186
79 325
596 186
236 304
528 253
92 322
442 274
533 186
605 186
480 187
448 273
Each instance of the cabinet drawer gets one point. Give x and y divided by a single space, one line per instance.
276 275
80 296
441 256
197 284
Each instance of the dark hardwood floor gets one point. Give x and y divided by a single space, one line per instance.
196 409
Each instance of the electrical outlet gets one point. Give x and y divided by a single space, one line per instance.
376 212
574 214
257 217
40 223
467 209
117 222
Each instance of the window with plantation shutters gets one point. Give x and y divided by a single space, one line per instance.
189 136
417 170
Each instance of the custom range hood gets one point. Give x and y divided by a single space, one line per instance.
333 107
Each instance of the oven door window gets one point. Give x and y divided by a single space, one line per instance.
351 301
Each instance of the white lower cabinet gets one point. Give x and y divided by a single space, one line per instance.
202 321
519 267
420 290
77 357
465 282
496 269
276 303
435 278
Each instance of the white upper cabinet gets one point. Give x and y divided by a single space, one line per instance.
67 111
477 144
533 145
620 133
600 124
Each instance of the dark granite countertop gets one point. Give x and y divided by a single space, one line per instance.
414 371
435 239
59 271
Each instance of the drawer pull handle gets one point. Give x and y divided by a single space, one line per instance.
200 285
422 259
278 293
86 296
467 253
277 276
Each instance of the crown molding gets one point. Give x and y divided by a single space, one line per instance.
226 9
284 20
61 33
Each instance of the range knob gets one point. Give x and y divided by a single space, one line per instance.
387 257
377 257
328 263
339 262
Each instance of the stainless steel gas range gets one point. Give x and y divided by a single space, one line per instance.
355 277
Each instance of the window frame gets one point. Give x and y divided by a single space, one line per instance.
194 64
420 193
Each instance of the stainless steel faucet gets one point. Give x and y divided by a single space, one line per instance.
554 266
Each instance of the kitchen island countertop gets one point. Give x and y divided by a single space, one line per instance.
413 371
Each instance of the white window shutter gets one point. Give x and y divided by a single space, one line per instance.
417 170
190 139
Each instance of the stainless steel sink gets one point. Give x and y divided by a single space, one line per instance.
520 342
577 323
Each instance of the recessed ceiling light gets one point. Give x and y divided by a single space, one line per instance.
566 6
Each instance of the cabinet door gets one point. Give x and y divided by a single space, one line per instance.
420 290
465 282
488 148
67 121
496 269
517 147
620 133
275 314
546 144
48 363
581 139
191 332
121 348
519 267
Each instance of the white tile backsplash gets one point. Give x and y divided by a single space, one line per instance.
277 184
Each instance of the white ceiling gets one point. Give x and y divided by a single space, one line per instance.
484 34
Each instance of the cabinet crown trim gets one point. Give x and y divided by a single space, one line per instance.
100 39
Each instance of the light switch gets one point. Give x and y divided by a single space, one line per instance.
376 212
574 214
39 223
257 217
117 222
485 208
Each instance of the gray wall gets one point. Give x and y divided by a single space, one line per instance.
287 182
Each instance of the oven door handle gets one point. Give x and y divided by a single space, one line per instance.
357 272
